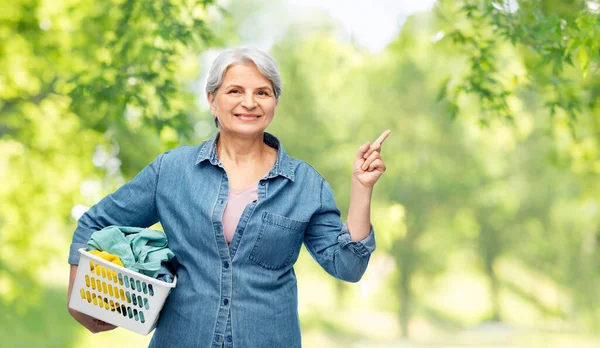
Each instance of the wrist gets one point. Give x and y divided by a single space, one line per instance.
360 187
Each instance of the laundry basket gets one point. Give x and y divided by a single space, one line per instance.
117 295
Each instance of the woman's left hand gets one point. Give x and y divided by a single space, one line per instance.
368 165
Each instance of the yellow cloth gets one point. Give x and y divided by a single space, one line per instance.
109 257
112 258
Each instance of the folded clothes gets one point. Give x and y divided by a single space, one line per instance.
139 249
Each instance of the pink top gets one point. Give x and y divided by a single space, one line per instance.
235 207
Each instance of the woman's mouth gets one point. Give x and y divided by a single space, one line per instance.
247 117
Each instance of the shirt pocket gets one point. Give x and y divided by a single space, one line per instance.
278 241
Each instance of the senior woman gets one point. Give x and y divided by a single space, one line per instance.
236 210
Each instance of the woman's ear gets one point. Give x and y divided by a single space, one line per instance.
211 102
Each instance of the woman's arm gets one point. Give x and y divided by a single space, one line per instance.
343 250
328 241
133 204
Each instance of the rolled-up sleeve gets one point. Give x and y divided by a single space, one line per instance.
328 241
133 204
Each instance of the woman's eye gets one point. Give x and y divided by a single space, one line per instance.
234 91
263 93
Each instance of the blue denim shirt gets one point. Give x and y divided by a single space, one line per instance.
245 294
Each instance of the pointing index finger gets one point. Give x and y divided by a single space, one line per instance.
382 137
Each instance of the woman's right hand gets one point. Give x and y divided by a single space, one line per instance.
92 324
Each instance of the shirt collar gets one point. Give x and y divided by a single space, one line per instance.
283 164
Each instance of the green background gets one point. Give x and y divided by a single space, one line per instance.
487 218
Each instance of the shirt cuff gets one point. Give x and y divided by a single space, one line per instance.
361 248
74 253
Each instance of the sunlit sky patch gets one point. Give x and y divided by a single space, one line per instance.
371 24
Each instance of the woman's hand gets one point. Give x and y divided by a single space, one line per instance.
368 165
92 324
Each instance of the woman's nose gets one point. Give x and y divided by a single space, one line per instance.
248 101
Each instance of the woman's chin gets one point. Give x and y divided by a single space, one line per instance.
246 130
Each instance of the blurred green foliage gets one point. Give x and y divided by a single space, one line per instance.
82 79
558 44
505 214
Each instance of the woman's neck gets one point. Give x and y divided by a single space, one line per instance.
238 150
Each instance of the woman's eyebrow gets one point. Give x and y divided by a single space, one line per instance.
240 86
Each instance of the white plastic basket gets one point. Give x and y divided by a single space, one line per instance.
117 295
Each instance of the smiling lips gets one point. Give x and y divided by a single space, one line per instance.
247 117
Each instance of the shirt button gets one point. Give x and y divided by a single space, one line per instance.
229 339
220 201
226 302
226 264
262 183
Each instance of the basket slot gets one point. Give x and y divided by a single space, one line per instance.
146 303
150 289
104 303
142 320
140 303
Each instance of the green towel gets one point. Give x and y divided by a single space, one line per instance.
140 249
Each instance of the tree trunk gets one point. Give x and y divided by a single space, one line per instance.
494 289
405 301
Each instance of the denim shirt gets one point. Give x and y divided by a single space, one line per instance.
245 294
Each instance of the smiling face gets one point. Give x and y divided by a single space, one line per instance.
245 102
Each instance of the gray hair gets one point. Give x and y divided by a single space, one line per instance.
264 62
